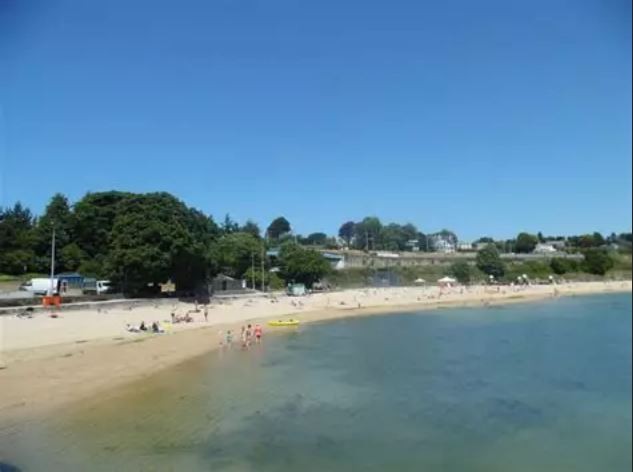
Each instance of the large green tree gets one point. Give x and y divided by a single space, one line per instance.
16 240
586 241
489 261
57 215
394 237
279 227
195 264
154 240
235 253
229 225
367 234
346 232
252 228
71 257
302 265
525 243
93 220
316 239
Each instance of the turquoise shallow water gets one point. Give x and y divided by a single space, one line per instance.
542 386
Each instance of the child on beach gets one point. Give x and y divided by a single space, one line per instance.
243 337
249 335
229 338
258 334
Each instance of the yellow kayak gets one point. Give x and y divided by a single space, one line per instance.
290 322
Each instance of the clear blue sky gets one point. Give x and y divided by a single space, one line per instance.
484 117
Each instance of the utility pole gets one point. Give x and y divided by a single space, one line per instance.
263 273
253 269
52 289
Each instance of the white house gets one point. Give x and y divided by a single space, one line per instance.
543 248
558 245
442 244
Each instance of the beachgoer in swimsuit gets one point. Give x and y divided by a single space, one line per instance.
229 338
243 337
249 334
258 333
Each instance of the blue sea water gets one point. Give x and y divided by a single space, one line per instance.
538 386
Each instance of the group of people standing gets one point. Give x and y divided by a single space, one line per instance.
248 335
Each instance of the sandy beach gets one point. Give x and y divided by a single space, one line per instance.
48 362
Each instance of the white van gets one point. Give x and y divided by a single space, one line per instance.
40 286
103 286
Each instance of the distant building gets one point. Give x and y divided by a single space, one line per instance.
296 290
559 245
413 245
70 283
224 284
441 244
544 248
465 247
480 246
337 261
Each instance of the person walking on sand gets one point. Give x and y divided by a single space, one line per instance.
229 338
206 313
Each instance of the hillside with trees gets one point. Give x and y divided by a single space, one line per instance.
139 239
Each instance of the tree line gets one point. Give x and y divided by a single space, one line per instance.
525 243
140 240
371 234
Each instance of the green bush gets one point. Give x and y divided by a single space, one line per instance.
490 263
461 271
561 265
597 261
533 269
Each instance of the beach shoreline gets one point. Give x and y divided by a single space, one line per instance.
45 368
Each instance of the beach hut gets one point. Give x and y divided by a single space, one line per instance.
223 284
446 281
297 290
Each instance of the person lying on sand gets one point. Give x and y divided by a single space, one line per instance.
157 328
181 319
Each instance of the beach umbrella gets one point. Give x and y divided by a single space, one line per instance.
420 281
448 281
